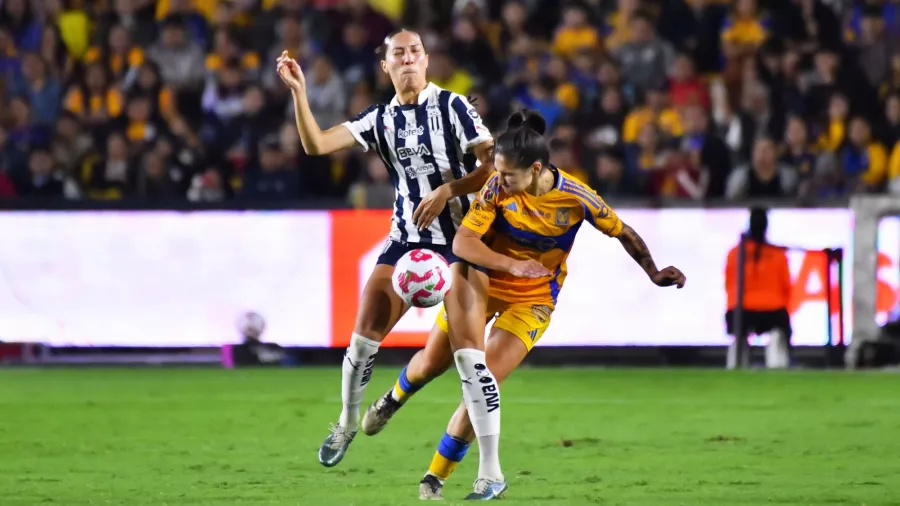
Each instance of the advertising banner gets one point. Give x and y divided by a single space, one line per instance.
126 278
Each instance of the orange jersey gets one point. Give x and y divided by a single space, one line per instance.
543 228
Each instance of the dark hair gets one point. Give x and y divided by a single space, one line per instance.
381 50
523 142
759 222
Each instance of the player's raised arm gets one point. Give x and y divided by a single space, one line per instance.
468 244
315 140
637 248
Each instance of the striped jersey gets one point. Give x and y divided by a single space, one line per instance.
423 146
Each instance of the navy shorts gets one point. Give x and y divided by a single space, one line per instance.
394 249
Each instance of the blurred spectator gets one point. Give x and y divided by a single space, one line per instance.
745 29
355 58
18 16
764 176
137 16
41 90
59 64
326 93
193 13
706 152
374 190
180 60
798 153
473 52
271 178
112 175
41 181
655 111
891 131
575 33
207 186
153 179
71 143
645 58
118 55
94 100
864 159
444 72
685 87
610 178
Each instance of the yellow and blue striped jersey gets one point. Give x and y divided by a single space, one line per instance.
526 227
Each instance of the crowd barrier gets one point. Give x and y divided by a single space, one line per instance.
167 278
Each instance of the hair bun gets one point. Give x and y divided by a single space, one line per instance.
527 119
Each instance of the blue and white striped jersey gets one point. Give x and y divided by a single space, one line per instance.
422 146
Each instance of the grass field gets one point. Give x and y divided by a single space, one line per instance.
571 436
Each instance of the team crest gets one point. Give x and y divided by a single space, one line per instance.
562 217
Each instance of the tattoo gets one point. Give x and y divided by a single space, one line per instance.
637 248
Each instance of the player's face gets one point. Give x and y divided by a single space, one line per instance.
406 61
515 179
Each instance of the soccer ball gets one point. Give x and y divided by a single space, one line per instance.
422 278
251 324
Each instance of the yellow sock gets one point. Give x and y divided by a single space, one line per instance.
450 452
403 389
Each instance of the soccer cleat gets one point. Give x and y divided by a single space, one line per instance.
379 414
486 490
431 489
335 445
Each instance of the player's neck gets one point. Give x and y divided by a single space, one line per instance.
409 96
543 183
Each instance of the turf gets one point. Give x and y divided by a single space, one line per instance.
571 436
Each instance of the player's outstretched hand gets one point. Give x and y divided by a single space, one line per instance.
289 71
668 277
431 206
528 269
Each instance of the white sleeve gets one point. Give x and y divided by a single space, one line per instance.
467 125
363 127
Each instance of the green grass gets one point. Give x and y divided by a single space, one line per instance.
570 436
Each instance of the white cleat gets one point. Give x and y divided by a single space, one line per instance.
431 489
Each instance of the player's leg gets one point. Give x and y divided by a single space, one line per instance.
465 306
509 342
428 363
380 308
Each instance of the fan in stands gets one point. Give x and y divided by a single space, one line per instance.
422 278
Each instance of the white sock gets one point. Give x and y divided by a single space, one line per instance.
359 360
482 396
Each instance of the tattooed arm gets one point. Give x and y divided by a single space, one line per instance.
637 248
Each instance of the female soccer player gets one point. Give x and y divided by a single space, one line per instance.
421 136
531 212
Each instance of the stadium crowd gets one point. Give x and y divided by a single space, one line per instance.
669 99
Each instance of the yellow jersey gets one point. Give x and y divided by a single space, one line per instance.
542 228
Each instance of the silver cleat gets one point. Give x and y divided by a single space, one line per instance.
431 489
379 414
335 445
486 490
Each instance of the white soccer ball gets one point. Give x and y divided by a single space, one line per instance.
251 324
422 278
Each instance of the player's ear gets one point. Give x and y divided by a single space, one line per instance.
426 61
384 66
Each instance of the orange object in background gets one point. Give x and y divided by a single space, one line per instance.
767 278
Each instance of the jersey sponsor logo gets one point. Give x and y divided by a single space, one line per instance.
405 153
487 194
411 132
542 244
562 217
433 109
420 170
472 113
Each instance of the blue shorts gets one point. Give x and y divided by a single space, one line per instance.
394 249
